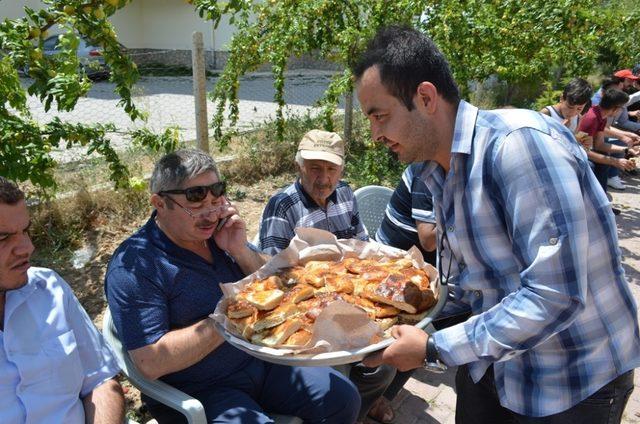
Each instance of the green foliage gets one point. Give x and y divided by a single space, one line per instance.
368 162
547 98
273 31
59 81
524 43
372 163
527 44
260 154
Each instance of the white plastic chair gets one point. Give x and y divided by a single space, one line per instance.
372 203
190 407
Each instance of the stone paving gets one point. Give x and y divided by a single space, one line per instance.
431 398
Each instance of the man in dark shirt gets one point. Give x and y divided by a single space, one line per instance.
409 220
163 282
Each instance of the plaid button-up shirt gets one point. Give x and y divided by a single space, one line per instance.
535 253
292 208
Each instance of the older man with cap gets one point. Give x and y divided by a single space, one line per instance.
320 199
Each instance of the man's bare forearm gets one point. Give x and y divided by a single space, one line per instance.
249 260
177 350
600 145
427 235
105 404
626 137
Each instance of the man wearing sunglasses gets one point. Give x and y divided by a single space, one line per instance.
163 282
528 241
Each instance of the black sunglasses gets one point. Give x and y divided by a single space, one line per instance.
444 279
198 193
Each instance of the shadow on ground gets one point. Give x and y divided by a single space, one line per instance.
629 227
427 398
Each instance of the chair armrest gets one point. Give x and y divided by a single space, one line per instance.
190 407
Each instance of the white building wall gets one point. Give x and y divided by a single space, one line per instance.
167 24
149 24
12 9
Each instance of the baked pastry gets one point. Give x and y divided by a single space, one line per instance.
277 335
395 290
239 309
275 317
280 311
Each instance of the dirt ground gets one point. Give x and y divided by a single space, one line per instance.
88 281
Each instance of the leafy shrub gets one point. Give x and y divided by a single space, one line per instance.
372 163
548 97
368 162
260 154
62 224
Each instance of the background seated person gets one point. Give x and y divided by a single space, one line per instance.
163 282
594 123
54 365
627 121
617 130
575 96
409 220
319 199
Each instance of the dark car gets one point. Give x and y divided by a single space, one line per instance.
90 56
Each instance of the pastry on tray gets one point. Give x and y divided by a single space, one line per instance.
280 310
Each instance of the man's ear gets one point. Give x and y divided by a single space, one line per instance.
157 201
427 97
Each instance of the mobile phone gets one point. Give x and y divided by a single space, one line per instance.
221 223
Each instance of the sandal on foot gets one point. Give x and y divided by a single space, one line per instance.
382 412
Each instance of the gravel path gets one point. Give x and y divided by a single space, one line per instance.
169 102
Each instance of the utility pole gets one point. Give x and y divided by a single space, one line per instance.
200 92
348 116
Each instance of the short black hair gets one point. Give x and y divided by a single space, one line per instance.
405 58
610 81
577 92
613 98
636 70
10 194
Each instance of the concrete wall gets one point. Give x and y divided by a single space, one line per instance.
166 24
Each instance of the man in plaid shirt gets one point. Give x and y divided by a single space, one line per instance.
526 237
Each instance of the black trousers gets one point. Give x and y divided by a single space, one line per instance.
479 403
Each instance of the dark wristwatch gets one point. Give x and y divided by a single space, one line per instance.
432 358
